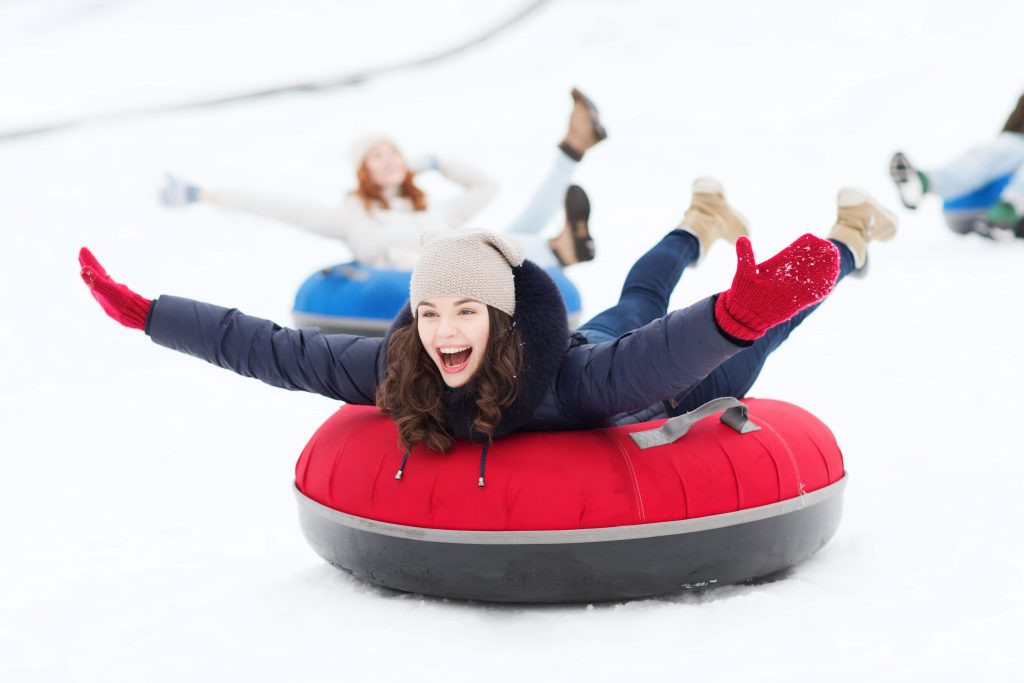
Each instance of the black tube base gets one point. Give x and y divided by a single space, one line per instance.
575 571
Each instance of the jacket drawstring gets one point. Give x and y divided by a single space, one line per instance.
483 464
398 474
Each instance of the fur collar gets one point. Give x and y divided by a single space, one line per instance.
541 321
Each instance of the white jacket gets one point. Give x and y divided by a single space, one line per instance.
381 238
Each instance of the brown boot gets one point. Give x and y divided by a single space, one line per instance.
1015 124
861 219
710 217
574 244
585 129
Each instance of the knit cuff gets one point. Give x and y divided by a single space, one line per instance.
136 312
149 315
738 341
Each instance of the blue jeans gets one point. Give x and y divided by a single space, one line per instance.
647 288
645 297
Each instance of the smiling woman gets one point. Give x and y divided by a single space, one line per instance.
458 340
463 333
484 349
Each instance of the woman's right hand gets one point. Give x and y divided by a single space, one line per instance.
119 302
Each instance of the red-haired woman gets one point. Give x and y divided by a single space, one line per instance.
484 349
381 221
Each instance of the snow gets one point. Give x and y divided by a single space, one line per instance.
136 548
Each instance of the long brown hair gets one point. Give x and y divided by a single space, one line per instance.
414 395
373 195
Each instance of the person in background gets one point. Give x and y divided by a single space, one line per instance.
1000 160
382 219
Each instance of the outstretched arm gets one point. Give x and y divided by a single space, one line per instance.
674 353
324 220
340 366
654 363
480 189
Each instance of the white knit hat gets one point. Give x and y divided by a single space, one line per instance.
472 264
361 146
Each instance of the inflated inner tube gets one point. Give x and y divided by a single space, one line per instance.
356 299
603 514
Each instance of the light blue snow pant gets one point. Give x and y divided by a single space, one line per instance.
545 202
981 165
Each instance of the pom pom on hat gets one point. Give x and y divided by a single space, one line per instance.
362 145
470 264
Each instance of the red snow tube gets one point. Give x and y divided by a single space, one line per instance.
575 516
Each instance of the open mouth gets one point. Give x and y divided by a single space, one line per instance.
454 358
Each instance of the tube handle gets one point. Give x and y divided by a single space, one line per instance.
735 416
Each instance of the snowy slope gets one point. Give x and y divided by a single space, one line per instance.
129 558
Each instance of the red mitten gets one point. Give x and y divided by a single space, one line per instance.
765 295
120 303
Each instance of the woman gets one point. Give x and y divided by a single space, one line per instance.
994 170
484 349
381 221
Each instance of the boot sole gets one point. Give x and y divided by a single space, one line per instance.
899 170
595 118
898 167
708 185
577 215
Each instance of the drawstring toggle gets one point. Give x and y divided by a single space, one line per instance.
398 474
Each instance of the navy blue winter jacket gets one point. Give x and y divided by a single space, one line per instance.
566 383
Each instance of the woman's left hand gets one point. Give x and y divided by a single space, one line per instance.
764 295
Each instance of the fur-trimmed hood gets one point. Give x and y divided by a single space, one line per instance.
542 323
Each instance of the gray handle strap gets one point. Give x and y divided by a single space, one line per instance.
735 416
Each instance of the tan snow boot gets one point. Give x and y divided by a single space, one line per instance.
861 219
710 217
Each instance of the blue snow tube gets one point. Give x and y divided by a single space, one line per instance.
356 299
962 211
